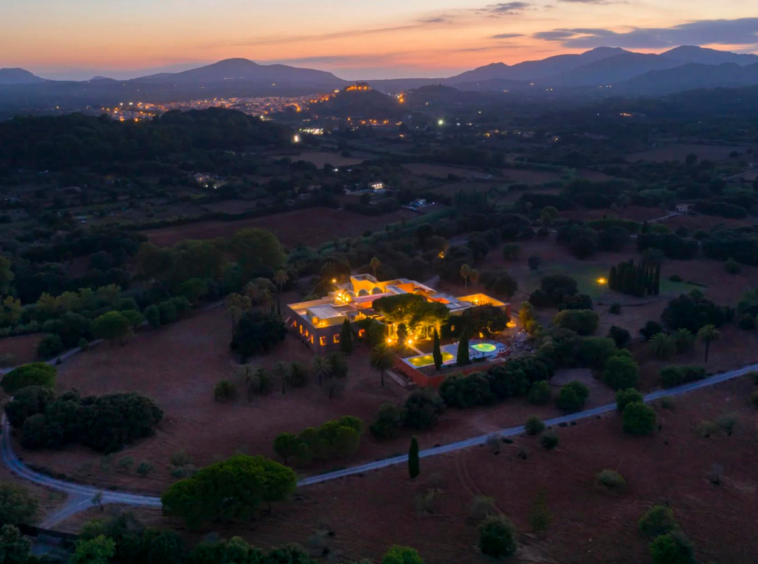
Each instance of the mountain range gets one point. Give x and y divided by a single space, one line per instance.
627 72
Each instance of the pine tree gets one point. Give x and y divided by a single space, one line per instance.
657 284
436 352
346 337
463 352
413 459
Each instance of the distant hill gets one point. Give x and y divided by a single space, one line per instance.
612 70
244 70
692 77
536 70
18 76
704 56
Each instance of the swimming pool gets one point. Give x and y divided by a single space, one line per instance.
477 349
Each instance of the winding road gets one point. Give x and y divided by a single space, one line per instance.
82 497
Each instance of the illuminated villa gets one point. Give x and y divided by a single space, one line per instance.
319 321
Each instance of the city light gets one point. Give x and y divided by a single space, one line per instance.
441 122
296 139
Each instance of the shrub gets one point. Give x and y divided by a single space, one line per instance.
672 548
675 375
625 397
33 374
651 328
639 419
615 308
581 321
17 506
224 391
620 336
257 332
497 537
539 393
594 352
728 422
144 468
387 422
153 316
659 520
482 507
667 402
549 440
534 425
611 480
422 409
27 402
50 346
621 372
572 396
400 555
466 391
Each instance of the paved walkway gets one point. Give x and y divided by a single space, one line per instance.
81 497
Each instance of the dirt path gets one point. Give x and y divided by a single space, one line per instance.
83 497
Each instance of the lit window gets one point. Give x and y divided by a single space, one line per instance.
361 333
301 329
322 341
336 339
311 339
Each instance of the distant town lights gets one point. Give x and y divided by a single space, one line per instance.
296 139
441 122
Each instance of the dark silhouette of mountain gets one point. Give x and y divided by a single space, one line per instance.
704 56
101 79
692 77
18 76
244 70
611 70
535 70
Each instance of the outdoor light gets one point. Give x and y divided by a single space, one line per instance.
296 139
441 122
602 281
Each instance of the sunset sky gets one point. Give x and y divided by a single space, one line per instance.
354 39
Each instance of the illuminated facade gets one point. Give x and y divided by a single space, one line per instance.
319 322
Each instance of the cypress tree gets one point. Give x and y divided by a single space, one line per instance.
463 353
613 279
436 352
346 337
413 459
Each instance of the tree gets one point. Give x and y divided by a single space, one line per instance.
32 374
474 276
422 409
662 345
463 349
511 251
625 397
572 396
257 332
621 372
534 425
382 359
684 340
659 520
236 305
14 547
540 517
534 262
50 346
26 402
465 273
99 550
436 351
321 368
539 393
375 263
153 316
254 249
497 537
672 548
639 419
229 490
549 440
281 374
224 391
620 336
112 326
346 337
413 459
17 506
708 334
6 275
387 422
401 555
280 279
581 321
193 289
288 446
